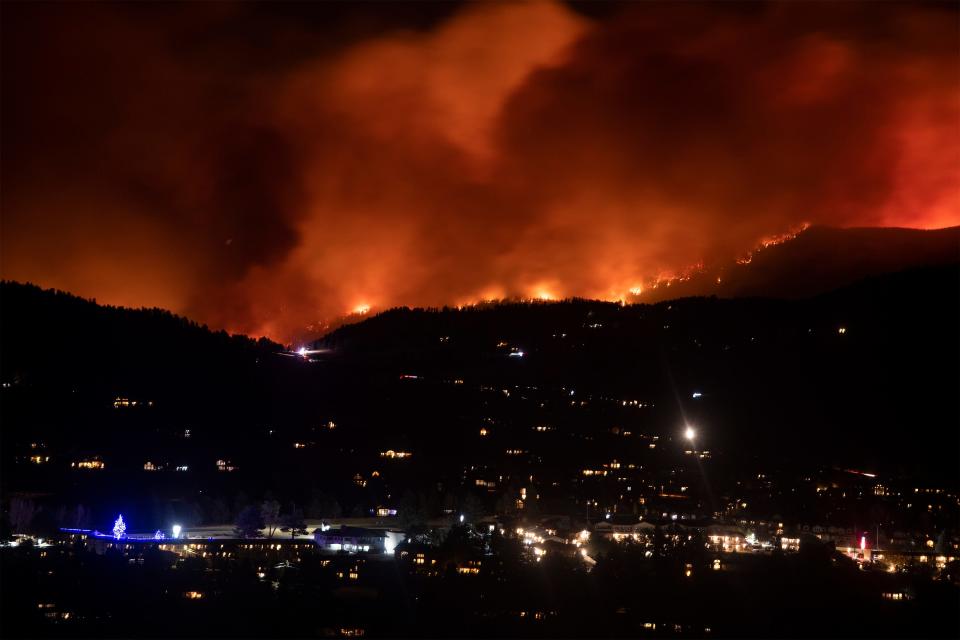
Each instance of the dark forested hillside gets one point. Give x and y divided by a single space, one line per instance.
818 260
839 379
54 335
855 368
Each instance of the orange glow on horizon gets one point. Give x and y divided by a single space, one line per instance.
496 151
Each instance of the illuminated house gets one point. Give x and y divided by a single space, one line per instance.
790 544
126 403
352 539
726 538
619 531
88 463
212 551
427 560
489 485
470 567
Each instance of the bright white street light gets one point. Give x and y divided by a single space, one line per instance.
176 531
689 434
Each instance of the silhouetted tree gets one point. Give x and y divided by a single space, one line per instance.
22 512
293 522
270 512
531 508
6 532
411 511
471 508
44 523
449 502
239 502
249 522
324 506
463 541
80 518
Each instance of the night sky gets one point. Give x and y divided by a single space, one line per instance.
267 168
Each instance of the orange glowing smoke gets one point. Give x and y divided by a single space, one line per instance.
271 173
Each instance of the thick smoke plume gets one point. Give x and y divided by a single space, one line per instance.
269 168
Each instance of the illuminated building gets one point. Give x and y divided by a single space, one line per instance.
726 538
618 530
790 544
126 403
470 567
352 539
490 485
89 463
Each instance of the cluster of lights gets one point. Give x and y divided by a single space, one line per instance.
119 403
88 464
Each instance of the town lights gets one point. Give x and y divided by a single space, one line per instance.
176 531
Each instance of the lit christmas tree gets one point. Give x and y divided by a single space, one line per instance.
158 535
119 528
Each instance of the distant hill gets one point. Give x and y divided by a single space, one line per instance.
64 360
868 372
50 334
818 259
865 375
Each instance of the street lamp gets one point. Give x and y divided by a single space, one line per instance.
689 434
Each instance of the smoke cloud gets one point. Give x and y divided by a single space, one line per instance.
270 168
